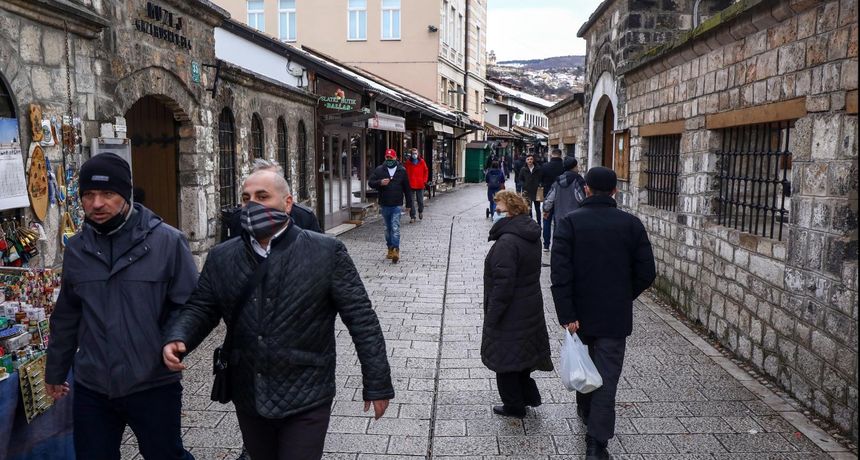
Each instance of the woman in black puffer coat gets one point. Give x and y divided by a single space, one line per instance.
514 341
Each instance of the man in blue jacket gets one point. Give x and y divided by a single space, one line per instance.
124 276
601 261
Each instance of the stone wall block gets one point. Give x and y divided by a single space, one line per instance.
806 24
818 103
828 17
53 47
43 82
792 57
820 219
842 179
838 45
849 276
826 135
852 41
30 46
816 50
808 364
843 299
800 143
849 75
823 346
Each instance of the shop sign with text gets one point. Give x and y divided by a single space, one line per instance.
163 24
336 99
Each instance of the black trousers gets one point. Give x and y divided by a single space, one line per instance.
517 390
598 407
298 437
153 415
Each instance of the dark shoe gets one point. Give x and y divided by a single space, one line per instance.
420 216
488 213
508 412
411 220
244 455
595 450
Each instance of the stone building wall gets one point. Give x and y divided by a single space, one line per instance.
789 305
566 127
114 64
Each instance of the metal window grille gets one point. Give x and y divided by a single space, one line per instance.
283 157
227 158
663 156
256 137
754 171
302 150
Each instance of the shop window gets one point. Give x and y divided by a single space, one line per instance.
302 152
444 24
391 19
662 156
283 157
287 20
227 158
357 17
503 120
753 175
256 16
257 137
443 91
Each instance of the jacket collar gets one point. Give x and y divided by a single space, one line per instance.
599 201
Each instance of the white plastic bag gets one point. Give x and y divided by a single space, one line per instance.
577 370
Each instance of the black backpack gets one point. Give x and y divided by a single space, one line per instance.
493 179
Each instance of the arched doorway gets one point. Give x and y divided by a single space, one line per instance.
603 126
154 134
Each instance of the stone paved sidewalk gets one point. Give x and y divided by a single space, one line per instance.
678 397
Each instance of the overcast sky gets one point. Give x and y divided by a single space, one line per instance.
531 29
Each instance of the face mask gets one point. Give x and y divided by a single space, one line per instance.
499 216
261 221
112 225
390 163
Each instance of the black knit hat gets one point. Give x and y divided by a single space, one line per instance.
106 171
569 163
601 179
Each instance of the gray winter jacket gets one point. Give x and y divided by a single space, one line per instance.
117 293
566 195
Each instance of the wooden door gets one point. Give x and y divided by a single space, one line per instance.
608 127
154 146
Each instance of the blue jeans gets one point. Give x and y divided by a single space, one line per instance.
491 193
391 215
547 230
153 415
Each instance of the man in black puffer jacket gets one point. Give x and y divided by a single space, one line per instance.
549 173
601 261
392 182
282 362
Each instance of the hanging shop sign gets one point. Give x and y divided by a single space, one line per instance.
163 24
440 128
337 99
385 122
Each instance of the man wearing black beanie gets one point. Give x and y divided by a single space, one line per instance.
124 275
601 261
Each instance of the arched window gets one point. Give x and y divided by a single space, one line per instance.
227 158
257 137
283 157
302 150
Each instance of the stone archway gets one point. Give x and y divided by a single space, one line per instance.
604 101
163 88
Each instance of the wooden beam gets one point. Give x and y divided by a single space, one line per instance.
851 102
778 111
662 129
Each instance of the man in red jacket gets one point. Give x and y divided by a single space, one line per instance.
418 174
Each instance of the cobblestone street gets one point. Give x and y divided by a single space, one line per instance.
678 396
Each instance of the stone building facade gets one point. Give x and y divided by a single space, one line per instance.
154 64
742 150
566 126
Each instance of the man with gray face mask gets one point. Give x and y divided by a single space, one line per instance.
278 289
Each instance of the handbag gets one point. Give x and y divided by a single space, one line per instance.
221 387
539 195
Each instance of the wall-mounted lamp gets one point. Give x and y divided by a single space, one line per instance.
431 28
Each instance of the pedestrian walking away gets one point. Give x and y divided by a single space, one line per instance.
418 173
601 262
124 277
514 340
530 178
549 173
566 194
517 166
278 289
495 180
392 182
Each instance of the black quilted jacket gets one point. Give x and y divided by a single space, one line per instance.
283 359
514 338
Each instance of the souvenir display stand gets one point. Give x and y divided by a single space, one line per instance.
32 424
